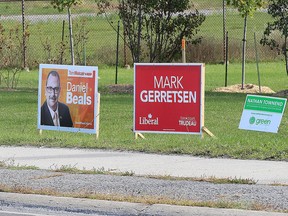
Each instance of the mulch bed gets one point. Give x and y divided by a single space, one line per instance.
248 88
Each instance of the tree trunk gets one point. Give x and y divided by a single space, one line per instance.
71 37
285 54
244 52
139 33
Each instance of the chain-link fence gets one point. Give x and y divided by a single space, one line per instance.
44 32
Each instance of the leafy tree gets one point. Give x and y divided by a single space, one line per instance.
246 8
278 9
130 11
166 24
155 28
61 5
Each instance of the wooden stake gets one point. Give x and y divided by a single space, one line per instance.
202 99
183 50
140 135
208 132
98 116
203 128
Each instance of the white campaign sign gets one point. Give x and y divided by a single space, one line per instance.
262 113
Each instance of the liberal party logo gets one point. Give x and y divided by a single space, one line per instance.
149 120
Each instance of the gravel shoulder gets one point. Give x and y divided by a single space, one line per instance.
256 197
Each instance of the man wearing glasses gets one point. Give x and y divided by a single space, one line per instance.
53 112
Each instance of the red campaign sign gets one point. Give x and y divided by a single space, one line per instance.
168 98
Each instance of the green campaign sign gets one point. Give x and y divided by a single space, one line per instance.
262 113
266 104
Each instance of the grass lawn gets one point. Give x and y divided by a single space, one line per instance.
88 6
18 119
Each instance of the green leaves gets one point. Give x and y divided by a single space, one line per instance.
61 4
103 5
278 9
158 26
246 7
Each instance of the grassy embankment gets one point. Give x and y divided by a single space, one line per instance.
18 119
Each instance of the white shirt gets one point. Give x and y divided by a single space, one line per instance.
52 113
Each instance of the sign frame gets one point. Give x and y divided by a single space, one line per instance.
72 72
191 67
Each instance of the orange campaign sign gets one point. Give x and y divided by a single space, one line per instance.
68 98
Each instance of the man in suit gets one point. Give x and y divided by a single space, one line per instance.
53 112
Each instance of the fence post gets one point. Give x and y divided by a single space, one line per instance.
117 52
183 50
24 37
62 39
224 32
226 60
71 37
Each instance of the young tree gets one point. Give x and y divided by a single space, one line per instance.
155 28
131 12
61 5
278 9
246 8
166 24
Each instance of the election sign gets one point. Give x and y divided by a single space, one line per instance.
68 98
262 113
168 98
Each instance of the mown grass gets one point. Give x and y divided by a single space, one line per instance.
43 7
88 6
18 119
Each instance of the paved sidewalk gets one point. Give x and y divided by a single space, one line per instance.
264 172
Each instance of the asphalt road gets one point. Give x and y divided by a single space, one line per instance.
8 213
38 205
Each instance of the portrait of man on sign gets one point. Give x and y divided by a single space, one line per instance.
53 112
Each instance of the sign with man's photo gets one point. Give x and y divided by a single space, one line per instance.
68 98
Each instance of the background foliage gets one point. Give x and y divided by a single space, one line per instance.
48 40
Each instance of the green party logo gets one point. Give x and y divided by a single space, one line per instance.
252 120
